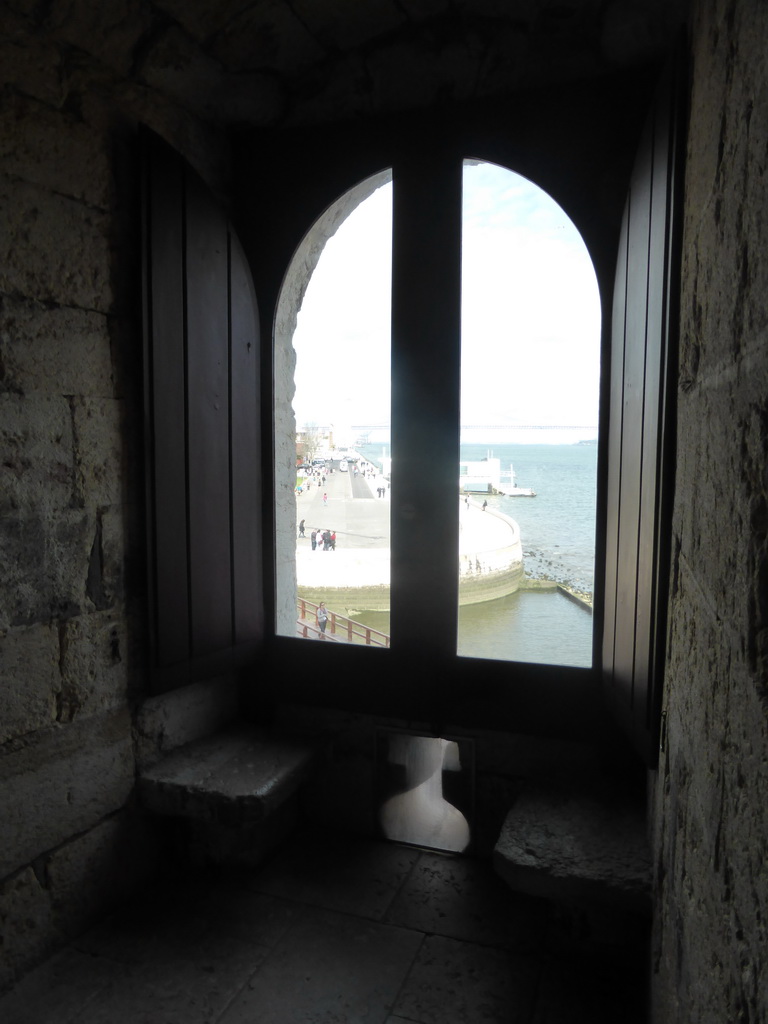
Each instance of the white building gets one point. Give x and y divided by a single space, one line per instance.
482 477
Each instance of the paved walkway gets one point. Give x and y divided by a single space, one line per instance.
359 518
361 521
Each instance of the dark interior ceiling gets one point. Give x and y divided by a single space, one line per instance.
291 62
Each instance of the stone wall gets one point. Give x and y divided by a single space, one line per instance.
710 806
77 78
72 643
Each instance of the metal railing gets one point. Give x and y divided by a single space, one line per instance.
339 628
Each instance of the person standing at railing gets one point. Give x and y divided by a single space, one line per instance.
322 617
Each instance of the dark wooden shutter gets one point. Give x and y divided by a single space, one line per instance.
641 429
202 429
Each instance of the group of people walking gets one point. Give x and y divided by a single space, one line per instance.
324 540
316 476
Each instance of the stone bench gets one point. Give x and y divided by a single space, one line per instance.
239 777
588 848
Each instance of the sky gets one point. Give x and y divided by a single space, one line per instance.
530 313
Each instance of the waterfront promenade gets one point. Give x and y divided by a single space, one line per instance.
361 521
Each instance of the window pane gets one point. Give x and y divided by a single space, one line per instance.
332 387
529 412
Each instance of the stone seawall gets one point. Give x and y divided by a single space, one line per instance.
490 556
356 580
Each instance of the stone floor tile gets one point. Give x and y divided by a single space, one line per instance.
163 923
338 872
238 947
464 899
256 917
330 968
456 982
193 988
59 991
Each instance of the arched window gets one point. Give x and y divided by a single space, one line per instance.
213 557
529 394
530 387
331 378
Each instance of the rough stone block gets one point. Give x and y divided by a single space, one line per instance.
32 64
30 679
406 68
25 924
114 552
54 351
94 673
59 990
353 26
176 66
52 149
54 248
239 776
348 93
205 145
247 845
36 453
96 871
98 449
107 31
63 783
46 560
199 19
588 848
171 720
239 40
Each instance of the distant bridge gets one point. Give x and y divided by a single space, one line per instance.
528 426
368 429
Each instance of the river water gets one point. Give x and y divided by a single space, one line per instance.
557 530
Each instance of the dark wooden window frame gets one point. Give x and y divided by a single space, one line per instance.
284 183
421 676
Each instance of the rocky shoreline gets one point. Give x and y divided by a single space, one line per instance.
582 597
543 573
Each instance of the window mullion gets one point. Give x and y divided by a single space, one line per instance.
426 317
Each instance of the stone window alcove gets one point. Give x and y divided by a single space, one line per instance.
426 316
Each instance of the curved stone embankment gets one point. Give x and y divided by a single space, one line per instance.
490 556
352 580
